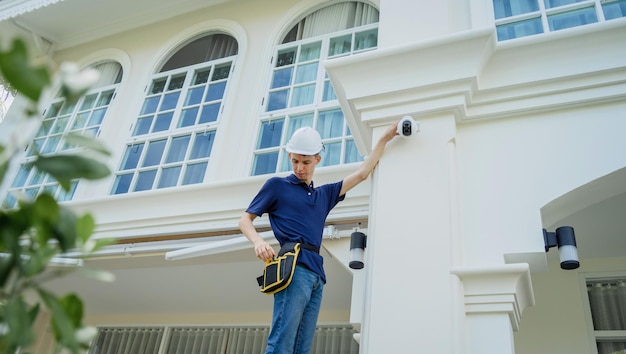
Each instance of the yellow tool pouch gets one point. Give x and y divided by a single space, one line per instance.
279 270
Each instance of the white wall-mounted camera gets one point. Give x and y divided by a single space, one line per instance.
407 126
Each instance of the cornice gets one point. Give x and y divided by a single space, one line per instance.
475 78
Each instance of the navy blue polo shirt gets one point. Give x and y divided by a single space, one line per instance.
297 213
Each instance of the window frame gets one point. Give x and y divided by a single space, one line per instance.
45 182
593 334
319 104
545 14
175 128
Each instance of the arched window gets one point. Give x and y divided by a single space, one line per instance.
61 117
300 92
173 136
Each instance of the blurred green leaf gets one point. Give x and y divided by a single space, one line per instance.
17 318
65 229
86 141
3 166
62 323
28 80
84 227
64 168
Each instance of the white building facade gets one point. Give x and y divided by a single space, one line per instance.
521 108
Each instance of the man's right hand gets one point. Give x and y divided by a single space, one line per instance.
264 251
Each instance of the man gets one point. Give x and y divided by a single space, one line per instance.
297 212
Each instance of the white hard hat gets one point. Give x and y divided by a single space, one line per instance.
305 141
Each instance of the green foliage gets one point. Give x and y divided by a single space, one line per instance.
39 230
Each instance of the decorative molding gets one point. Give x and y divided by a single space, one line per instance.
503 288
493 81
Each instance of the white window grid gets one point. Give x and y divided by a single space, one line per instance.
181 84
544 13
349 42
85 116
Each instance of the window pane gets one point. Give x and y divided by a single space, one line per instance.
150 105
88 101
154 153
105 98
555 3
188 117
143 126
59 126
331 154
209 113
352 153
51 144
310 51
44 129
96 117
508 8
265 163
215 91
195 173
202 145
54 109
169 101
80 121
176 82
178 149
122 183
163 122
340 45
22 176
131 157
37 177
306 73
365 40
282 77
572 19
519 29
169 177
277 100
202 77
330 124
158 85
221 72
286 57
145 180
299 121
329 92
271 133
194 96
615 9
303 95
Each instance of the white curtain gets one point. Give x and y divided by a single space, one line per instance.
338 17
608 310
110 73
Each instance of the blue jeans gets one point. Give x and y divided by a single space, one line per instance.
295 314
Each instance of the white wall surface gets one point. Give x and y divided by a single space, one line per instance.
557 324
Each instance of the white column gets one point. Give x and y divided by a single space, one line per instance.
411 299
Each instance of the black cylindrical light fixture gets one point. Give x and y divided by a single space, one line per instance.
566 241
357 249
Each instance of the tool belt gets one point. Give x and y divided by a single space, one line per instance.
279 270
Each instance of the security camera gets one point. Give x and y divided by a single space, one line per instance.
407 126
